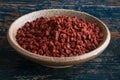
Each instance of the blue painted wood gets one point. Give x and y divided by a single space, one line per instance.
104 67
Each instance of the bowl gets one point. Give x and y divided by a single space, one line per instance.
57 62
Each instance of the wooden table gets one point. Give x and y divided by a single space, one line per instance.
104 67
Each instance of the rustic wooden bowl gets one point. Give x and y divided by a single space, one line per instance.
57 62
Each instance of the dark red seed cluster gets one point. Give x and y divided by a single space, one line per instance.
59 36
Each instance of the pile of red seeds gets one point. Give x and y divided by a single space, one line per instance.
59 36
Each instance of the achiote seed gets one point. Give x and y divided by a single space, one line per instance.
59 36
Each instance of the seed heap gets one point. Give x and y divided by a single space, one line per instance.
59 36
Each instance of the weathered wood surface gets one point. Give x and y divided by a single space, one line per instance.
104 67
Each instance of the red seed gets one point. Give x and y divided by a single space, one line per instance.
27 24
62 55
56 35
34 51
29 35
68 51
59 36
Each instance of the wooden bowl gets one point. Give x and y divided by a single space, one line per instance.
57 62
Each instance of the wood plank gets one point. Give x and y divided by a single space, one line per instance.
104 67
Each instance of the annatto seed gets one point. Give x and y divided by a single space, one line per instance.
59 36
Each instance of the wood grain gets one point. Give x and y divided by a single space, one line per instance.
104 67
115 35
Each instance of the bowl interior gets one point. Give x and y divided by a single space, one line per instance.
49 13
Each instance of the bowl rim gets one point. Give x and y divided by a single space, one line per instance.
26 53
